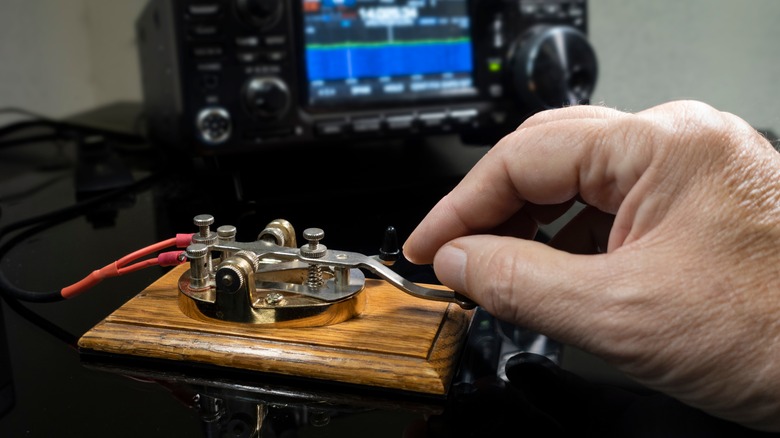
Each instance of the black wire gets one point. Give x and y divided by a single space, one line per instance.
14 303
12 128
21 111
30 139
21 294
41 322
47 220
68 130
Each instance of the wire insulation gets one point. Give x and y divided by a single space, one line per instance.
123 266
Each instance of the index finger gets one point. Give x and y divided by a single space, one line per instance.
547 162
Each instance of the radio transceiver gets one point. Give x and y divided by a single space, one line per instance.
247 75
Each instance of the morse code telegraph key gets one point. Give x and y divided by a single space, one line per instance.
274 282
277 307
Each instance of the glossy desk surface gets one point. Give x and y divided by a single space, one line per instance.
49 389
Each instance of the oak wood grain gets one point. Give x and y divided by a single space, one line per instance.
398 342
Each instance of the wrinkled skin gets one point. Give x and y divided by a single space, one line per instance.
672 272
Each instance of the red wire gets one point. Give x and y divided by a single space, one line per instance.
138 266
143 252
121 267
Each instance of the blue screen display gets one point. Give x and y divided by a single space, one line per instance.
383 50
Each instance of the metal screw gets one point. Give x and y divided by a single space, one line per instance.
313 237
199 272
197 251
227 280
227 233
313 249
274 298
203 221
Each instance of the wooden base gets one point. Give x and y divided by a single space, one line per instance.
399 342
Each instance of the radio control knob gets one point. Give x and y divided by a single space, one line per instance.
553 66
213 125
259 13
266 97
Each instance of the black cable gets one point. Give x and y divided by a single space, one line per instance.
14 127
47 220
21 294
30 139
14 301
41 322
21 111
68 130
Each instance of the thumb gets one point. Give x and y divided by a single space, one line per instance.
527 283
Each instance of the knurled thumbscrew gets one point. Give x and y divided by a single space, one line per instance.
203 221
313 247
227 233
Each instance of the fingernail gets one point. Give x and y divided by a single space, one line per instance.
450 267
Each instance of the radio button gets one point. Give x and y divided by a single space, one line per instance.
400 122
275 40
331 128
210 51
248 57
247 41
203 9
275 56
433 119
209 67
263 70
203 30
367 125
464 116
576 11
529 9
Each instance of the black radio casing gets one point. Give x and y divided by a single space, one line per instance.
205 65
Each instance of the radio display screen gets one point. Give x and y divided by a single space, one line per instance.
381 50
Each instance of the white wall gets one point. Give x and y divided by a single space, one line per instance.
62 56
58 57
724 52
44 56
112 46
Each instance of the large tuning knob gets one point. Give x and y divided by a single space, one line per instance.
266 97
259 13
553 66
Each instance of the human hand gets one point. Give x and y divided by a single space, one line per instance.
686 298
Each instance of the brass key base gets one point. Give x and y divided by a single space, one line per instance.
398 341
